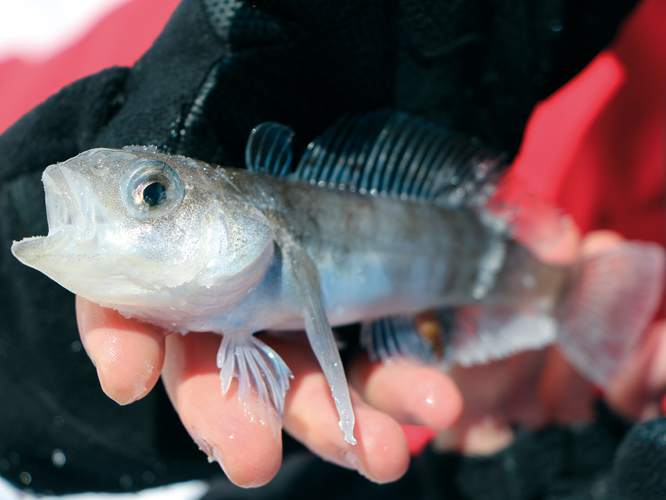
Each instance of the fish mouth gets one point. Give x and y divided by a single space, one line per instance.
66 205
70 214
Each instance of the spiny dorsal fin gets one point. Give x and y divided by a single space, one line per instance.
384 153
268 149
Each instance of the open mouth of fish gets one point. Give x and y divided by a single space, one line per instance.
70 213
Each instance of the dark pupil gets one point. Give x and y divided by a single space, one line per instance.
154 194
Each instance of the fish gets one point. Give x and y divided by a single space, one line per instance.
383 217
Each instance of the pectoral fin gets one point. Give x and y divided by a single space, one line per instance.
258 368
321 336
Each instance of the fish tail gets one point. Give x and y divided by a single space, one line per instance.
261 372
606 311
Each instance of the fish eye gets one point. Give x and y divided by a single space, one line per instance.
152 188
154 194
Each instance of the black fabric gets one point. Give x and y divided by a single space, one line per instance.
219 68
553 464
640 463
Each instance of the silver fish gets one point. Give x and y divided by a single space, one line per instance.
384 216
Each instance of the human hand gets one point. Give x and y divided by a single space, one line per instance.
130 355
539 388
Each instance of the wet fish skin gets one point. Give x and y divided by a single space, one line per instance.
378 256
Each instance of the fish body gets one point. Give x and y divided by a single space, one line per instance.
377 256
382 218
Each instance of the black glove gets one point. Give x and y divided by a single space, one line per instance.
218 69
640 463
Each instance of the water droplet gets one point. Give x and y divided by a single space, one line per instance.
76 346
25 478
481 170
126 481
148 477
58 458
556 25
528 281
479 292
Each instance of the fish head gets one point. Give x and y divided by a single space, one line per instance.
134 226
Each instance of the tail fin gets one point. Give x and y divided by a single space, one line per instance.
609 306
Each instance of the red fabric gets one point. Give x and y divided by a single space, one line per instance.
596 147
118 39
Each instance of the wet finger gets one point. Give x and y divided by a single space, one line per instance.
566 395
562 249
637 390
410 393
599 241
128 354
243 437
381 453
485 436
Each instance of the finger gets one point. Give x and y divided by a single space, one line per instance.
381 453
484 389
128 354
484 437
243 437
600 241
523 404
563 248
565 394
640 385
410 393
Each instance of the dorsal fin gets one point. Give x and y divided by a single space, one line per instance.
268 149
391 153
384 153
